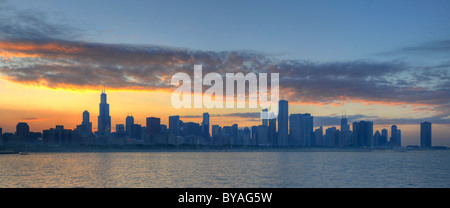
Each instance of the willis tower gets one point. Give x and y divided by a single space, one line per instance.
104 119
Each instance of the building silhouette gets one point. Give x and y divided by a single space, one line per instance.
425 135
153 127
331 137
263 135
104 119
205 126
293 130
135 132
175 125
129 121
301 129
318 137
396 137
363 134
283 122
272 131
61 136
22 130
86 126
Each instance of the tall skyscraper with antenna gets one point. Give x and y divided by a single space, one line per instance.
104 119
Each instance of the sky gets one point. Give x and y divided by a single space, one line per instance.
384 61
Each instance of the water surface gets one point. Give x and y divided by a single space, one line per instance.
227 169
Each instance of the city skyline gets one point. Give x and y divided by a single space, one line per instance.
385 62
294 129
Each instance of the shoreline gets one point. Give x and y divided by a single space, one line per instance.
16 149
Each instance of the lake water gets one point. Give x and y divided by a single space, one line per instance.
227 169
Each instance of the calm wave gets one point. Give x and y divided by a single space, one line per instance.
227 169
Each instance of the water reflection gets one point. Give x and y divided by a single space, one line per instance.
227 169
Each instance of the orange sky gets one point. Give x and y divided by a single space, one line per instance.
43 108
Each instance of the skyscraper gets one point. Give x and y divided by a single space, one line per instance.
104 119
363 133
174 125
273 131
396 137
129 121
216 132
345 135
383 138
301 129
205 126
318 137
234 133
344 125
283 119
263 137
331 137
86 126
425 135
153 126
22 130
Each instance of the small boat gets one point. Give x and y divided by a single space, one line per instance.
24 153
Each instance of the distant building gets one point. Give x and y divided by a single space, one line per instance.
22 130
376 138
363 134
61 136
425 135
205 126
283 122
301 129
86 126
331 137
120 128
273 139
254 130
135 131
318 137
234 134
227 135
175 125
104 119
345 135
216 134
163 129
120 133
383 139
247 136
153 127
263 135
129 121
396 137
192 132
344 125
